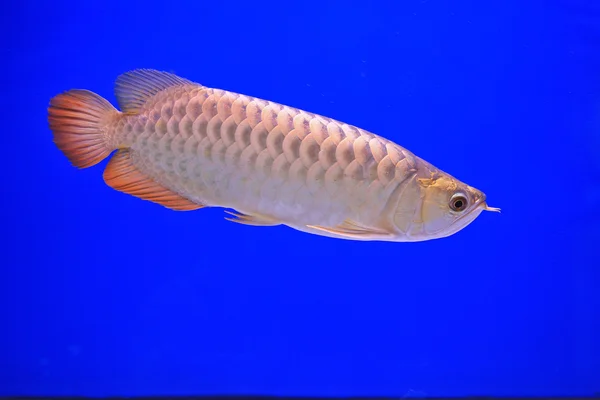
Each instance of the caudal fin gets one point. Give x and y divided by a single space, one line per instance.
79 120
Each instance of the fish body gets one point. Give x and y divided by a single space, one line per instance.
187 146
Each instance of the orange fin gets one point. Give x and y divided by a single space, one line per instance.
122 175
79 120
134 88
254 220
353 230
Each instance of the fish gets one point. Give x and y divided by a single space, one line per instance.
186 146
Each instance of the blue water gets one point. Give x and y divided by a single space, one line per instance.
105 294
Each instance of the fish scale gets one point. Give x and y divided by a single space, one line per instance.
188 146
261 157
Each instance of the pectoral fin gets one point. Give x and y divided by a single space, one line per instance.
353 230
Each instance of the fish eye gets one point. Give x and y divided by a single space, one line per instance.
458 202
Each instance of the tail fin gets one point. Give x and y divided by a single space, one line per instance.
79 120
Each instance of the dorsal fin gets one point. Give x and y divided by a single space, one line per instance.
134 88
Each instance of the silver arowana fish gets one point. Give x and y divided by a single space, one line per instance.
186 146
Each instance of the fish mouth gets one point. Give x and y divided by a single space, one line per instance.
488 208
481 203
465 219
479 206
485 207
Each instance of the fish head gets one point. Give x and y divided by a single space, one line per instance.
447 206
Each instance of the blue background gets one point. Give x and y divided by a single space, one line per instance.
105 294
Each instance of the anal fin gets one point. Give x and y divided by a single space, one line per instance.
254 220
353 230
122 175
